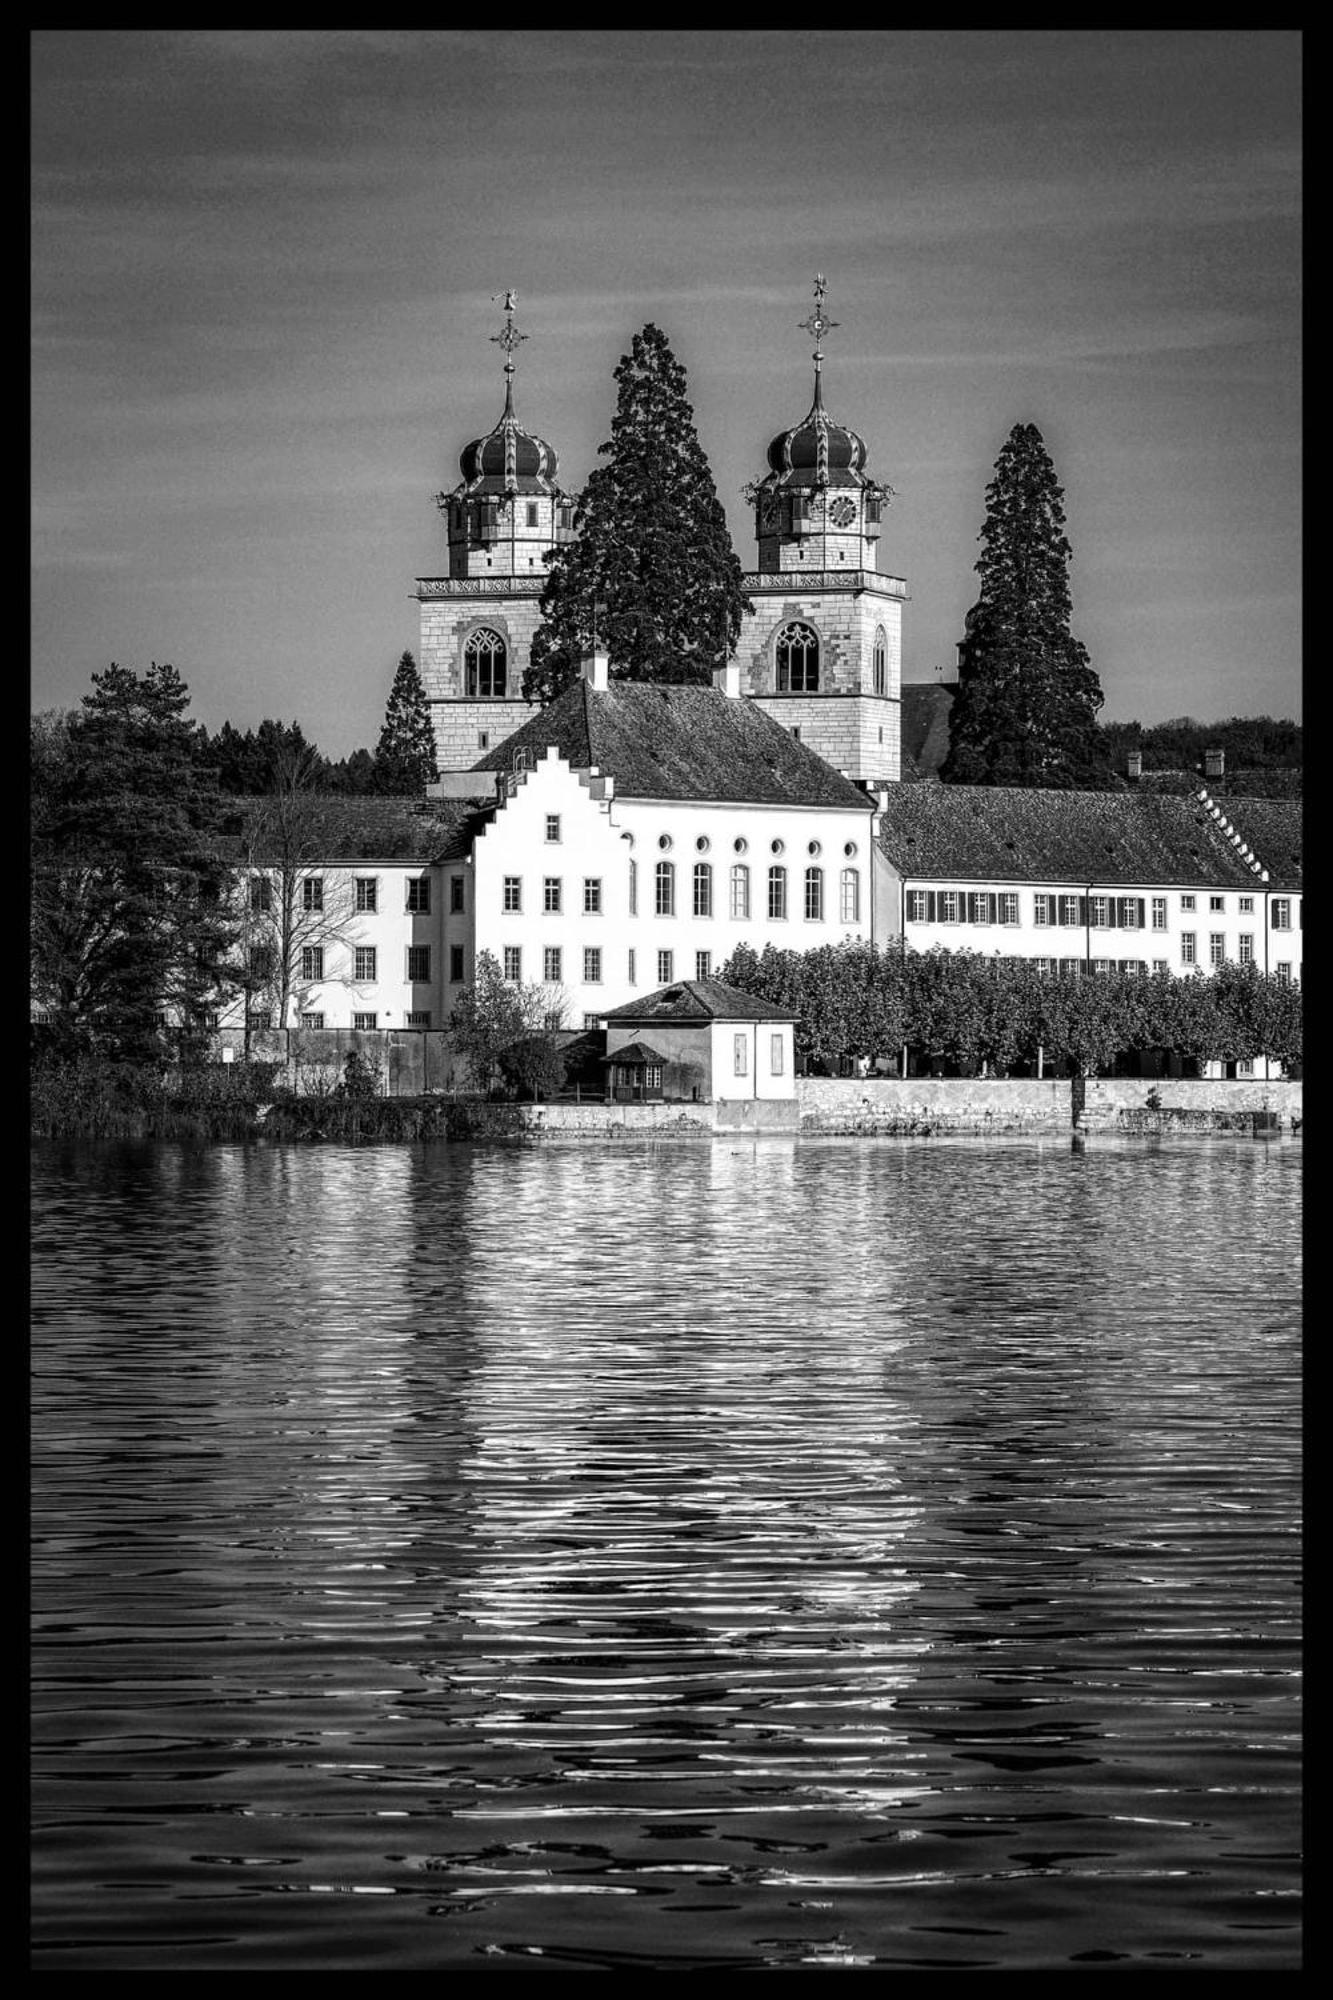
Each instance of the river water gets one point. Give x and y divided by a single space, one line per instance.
767 1554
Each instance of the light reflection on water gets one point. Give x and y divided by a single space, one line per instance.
762 1554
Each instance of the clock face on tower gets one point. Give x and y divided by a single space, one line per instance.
770 512
842 513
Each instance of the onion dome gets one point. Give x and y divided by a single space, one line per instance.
818 452
508 459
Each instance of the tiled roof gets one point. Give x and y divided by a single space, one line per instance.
955 833
337 828
699 1000
925 741
662 742
636 1052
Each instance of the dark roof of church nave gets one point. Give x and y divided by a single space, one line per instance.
661 742
970 832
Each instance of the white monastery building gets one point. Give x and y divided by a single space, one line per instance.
627 838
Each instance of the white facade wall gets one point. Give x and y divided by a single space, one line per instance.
601 837
1171 915
753 1059
340 929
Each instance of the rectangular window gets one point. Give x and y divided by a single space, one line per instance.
634 888
592 895
1217 948
703 889
703 964
418 1020
1041 911
592 965
363 965
551 895
916 906
1247 906
740 891
1281 907
1187 902
742 1054
1009 907
777 892
532 513
664 973
775 1055
1044 965
1159 913
312 1020
1069 916
261 895
630 972
259 1017
513 962
1134 968
1098 914
592 1020
947 904
1070 967
312 961
366 889
418 895
1187 947
455 965
1245 947
978 907
814 895
483 739
363 1023
666 889
551 964
513 893
1160 965
1131 913
553 826
456 895
418 964
1283 972
1101 966
849 897
1245 1068
312 893
1218 903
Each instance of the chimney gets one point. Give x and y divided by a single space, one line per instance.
1214 763
1134 764
727 679
595 667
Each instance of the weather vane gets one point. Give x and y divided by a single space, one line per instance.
817 324
509 336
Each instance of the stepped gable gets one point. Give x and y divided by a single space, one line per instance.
700 1000
661 742
975 832
334 827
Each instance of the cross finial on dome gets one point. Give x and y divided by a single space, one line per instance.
508 338
818 325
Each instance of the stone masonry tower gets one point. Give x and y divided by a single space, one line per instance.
477 623
822 651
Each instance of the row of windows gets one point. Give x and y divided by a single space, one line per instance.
1068 912
365 894
795 658
553 964
365 964
701 892
741 1058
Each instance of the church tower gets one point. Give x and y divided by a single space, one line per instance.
477 622
822 650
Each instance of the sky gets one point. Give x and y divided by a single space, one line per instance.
264 272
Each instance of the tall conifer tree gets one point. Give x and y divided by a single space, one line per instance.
1026 708
405 753
652 571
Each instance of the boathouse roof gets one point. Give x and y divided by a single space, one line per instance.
699 1000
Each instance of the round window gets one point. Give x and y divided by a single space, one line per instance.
664 840
850 848
703 843
813 848
740 843
778 846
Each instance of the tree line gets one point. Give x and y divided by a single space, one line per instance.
963 1013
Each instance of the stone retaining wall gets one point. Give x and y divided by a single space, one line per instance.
893 1105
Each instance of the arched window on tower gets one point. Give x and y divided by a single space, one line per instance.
880 662
798 660
484 662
